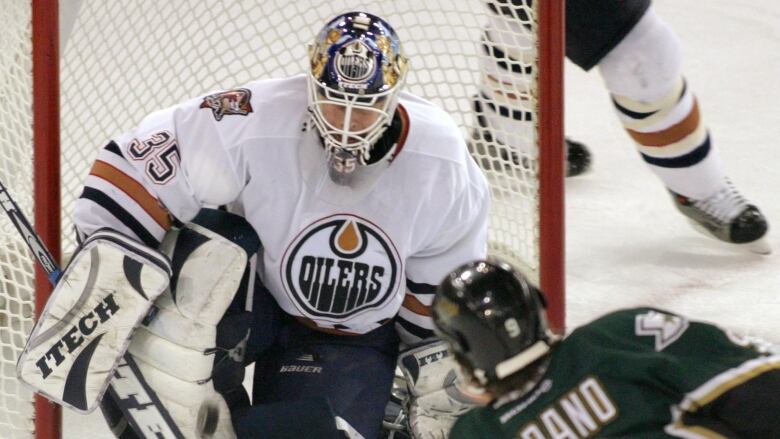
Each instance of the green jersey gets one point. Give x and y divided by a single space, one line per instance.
640 373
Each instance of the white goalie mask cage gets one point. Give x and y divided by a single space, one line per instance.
356 72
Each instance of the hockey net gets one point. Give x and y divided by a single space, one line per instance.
121 60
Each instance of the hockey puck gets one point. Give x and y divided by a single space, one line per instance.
208 419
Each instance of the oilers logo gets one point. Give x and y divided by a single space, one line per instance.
340 266
355 64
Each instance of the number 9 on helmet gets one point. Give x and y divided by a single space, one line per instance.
493 319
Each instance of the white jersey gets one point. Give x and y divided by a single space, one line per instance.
339 257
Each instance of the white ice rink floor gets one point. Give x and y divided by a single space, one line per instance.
626 244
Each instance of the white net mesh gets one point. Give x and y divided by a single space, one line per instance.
122 60
16 271
162 52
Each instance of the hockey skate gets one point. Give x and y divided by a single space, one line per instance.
728 217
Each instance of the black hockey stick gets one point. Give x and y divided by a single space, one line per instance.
129 390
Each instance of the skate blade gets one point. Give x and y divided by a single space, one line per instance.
760 246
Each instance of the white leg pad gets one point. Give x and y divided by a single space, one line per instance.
174 351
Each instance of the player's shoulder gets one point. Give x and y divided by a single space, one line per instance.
276 92
629 316
262 96
435 154
261 106
269 105
646 329
621 324
432 131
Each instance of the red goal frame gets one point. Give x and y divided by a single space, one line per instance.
46 164
552 160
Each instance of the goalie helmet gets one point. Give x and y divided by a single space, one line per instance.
493 319
356 72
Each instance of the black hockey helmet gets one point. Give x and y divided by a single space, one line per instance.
493 319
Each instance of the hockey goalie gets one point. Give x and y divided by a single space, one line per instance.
361 197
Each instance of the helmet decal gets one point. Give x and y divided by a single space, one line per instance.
354 63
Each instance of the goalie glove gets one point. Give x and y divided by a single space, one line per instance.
436 396
175 352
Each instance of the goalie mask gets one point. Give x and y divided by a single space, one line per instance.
492 318
357 69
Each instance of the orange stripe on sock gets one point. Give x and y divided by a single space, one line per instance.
671 135
414 305
134 190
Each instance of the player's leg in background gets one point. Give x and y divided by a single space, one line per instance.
309 376
640 59
506 100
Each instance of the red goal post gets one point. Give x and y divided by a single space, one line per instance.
552 161
122 60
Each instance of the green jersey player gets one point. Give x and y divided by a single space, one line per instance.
635 373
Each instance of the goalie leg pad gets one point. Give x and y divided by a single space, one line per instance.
85 328
212 259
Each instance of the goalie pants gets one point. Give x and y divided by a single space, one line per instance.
307 367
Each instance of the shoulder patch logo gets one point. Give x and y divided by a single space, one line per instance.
666 328
229 102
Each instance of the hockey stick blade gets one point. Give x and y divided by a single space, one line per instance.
132 394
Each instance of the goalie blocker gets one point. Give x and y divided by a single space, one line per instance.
86 326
